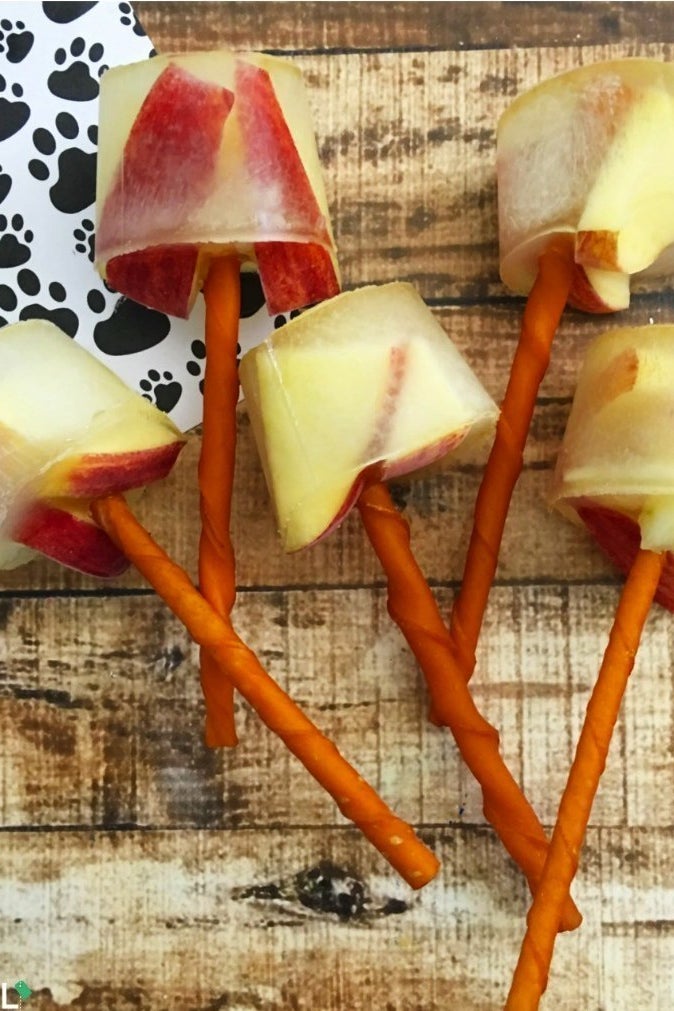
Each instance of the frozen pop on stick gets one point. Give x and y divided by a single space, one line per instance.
70 431
615 473
208 161
362 388
586 201
72 437
365 387
203 155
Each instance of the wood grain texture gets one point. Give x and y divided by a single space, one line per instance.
139 870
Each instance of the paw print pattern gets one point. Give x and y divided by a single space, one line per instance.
162 390
130 327
59 314
13 114
14 241
64 13
127 17
15 41
75 186
76 82
84 238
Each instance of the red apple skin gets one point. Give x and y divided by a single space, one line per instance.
170 157
389 471
71 540
424 457
295 274
95 474
161 278
583 296
171 152
292 274
619 538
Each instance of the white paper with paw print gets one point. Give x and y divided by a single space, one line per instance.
52 56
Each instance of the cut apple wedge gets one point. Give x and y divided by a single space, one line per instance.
615 470
70 431
205 155
364 386
588 154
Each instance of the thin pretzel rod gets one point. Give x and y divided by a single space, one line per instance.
217 575
412 606
541 318
357 801
531 974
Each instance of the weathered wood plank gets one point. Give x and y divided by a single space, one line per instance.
101 711
293 27
238 920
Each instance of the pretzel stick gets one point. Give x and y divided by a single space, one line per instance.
217 578
531 974
356 800
541 318
412 606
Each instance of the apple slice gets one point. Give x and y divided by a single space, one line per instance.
70 431
363 386
588 153
292 273
615 470
203 155
64 531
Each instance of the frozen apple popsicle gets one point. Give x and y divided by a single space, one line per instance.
615 473
72 438
364 387
367 386
70 431
208 161
203 155
585 201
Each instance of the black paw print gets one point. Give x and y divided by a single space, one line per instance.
198 349
76 83
84 238
13 115
252 297
131 327
282 319
18 43
59 314
14 251
129 18
164 394
5 184
75 186
29 284
65 12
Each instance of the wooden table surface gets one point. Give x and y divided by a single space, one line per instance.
138 869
